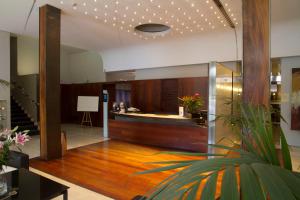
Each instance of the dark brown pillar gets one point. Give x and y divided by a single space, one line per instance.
50 82
256 51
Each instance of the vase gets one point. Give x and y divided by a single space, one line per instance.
3 182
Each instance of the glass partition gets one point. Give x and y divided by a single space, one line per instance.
225 87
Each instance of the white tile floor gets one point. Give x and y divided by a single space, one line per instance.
76 136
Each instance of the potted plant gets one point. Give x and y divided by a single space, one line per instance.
9 138
263 172
192 104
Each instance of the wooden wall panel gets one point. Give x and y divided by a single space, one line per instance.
256 50
146 95
153 96
191 138
169 96
49 58
190 86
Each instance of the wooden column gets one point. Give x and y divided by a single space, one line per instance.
256 51
50 82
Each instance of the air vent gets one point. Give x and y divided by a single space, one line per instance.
153 29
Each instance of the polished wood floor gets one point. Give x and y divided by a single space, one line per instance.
109 168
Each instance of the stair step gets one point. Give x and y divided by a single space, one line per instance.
17 119
20 118
21 123
27 127
18 114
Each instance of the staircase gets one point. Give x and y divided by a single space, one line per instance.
19 118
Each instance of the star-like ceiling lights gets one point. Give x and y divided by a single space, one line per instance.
182 16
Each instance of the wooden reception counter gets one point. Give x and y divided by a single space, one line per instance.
170 131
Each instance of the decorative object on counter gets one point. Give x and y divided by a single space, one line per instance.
181 111
116 107
123 108
133 110
295 112
192 104
9 138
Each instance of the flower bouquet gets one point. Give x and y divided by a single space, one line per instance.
192 104
9 138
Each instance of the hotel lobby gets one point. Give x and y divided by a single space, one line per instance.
149 99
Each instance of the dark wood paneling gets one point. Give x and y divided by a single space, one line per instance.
256 50
146 95
69 96
161 135
109 167
190 86
169 96
49 53
158 96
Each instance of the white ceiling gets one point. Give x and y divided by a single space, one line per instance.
104 24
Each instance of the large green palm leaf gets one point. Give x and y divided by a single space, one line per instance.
261 176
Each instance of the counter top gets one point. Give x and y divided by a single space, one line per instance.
149 115
156 118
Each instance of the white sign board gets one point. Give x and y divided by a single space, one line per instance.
88 104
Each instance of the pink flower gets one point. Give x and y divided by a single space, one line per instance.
197 94
21 138
1 144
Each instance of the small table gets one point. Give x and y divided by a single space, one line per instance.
31 186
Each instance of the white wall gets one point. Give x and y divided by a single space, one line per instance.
216 46
200 70
285 39
5 70
76 66
65 76
86 67
28 56
293 137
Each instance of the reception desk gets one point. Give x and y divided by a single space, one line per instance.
168 131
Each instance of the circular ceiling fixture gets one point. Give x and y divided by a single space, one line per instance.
152 29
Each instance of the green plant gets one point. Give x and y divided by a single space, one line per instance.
192 103
262 175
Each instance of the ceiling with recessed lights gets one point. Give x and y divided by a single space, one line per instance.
105 24
184 17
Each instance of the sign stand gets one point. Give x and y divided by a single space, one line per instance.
105 114
86 119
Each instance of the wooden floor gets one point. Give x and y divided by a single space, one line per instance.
108 168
